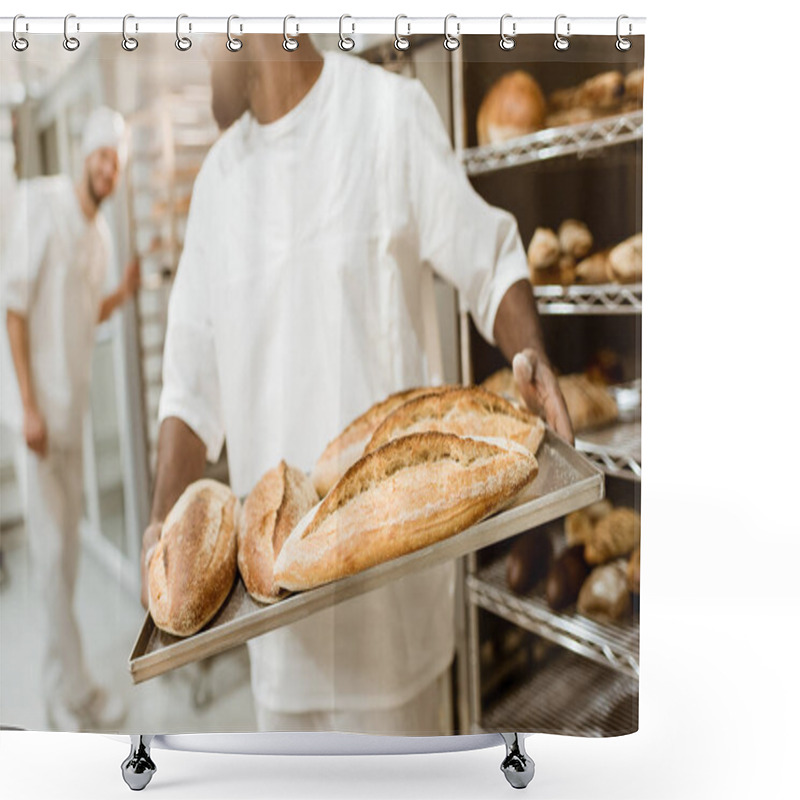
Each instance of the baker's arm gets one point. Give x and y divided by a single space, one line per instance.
126 289
518 334
181 461
34 426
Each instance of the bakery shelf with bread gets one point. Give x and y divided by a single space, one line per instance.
606 298
566 695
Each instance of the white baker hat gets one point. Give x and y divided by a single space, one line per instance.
104 128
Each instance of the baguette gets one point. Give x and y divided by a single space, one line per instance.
467 411
348 446
272 509
404 496
193 566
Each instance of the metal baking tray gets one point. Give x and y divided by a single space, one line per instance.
566 481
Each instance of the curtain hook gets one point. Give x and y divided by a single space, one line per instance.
623 44
451 42
346 42
560 42
129 43
289 44
183 43
507 42
18 42
233 44
400 42
71 43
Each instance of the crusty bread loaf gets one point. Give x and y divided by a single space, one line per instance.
616 534
604 594
404 496
348 446
625 260
466 411
193 566
593 269
272 509
588 404
574 238
543 250
514 106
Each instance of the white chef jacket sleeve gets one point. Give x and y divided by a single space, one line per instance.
191 388
24 251
471 244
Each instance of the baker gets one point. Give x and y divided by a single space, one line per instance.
305 294
53 283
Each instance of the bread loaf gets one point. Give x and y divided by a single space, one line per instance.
272 509
528 561
348 447
466 411
593 269
565 578
193 566
588 404
514 106
575 238
543 250
625 260
604 595
404 496
616 534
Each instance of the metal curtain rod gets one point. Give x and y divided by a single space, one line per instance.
455 25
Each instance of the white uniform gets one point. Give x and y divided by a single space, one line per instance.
304 295
53 273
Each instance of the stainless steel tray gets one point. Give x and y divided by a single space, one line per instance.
566 481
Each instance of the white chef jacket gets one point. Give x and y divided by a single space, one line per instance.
304 295
54 269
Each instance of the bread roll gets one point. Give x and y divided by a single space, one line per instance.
566 268
514 106
593 269
588 405
625 260
467 411
604 595
348 446
617 534
599 93
193 566
569 116
575 238
634 85
272 509
577 527
543 250
528 561
404 496
565 578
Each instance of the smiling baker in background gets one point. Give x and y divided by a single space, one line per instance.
304 295
53 276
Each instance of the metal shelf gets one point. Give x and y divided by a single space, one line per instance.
569 696
616 449
612 645
550 143
606 298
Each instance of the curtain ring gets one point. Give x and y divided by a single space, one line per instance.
451 42
183 43
129 43
70 42
400 42
346 42
233 44
623 44
560 42
507 42
18 42
289 44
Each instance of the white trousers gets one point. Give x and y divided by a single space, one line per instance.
427 714
51 491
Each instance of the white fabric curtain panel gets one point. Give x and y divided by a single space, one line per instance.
321 381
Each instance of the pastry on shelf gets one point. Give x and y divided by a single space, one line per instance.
593 269
528 561
574 238
589 405
604 595
565 578
600 92
634 86
616 534
625 260
514 106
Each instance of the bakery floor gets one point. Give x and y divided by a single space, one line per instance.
212 696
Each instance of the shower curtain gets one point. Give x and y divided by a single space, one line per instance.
321 382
